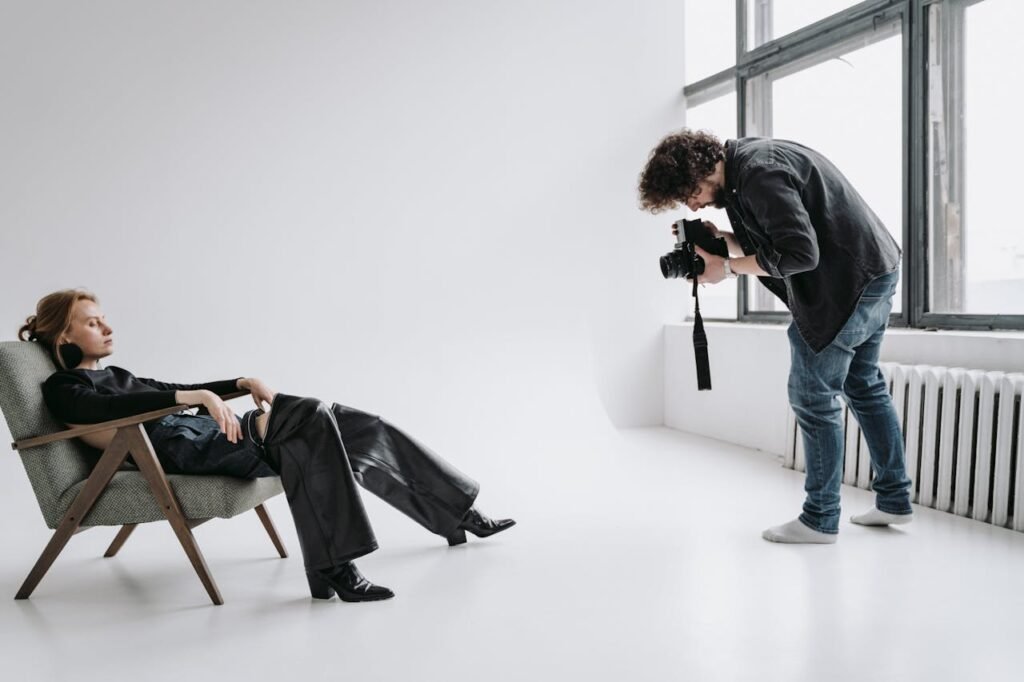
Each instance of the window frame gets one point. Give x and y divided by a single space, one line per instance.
814 43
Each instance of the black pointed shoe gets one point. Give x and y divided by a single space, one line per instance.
479 525
347 582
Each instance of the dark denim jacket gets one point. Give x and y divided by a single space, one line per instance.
809 228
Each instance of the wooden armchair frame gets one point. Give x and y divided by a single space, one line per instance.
129 439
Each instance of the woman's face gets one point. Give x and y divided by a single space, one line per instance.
90 331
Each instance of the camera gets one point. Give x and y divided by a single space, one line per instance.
683 260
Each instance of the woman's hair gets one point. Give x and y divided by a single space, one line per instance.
675 168
53 319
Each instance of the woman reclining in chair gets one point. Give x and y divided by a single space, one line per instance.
319 451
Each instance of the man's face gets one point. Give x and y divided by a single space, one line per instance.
710 192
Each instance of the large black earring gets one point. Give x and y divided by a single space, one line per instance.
70 354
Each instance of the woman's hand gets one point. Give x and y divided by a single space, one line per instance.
218 409
261 393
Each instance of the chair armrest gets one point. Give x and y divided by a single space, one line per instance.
36 441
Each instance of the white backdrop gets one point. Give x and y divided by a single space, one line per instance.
427 210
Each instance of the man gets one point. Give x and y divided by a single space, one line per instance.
802 228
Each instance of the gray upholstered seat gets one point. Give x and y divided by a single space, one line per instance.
72 493
129 499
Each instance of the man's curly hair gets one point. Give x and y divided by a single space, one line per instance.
676 166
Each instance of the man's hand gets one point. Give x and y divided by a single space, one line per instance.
710 227
261 393
714 268
730 239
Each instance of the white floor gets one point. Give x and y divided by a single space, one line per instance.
637 561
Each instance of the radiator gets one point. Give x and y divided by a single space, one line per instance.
963 438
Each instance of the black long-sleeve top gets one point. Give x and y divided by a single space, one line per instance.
88 396
809 229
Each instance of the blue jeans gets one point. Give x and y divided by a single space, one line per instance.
194 444
848 367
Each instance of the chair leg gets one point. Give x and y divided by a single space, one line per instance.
119 539
94 486
268 523
145 458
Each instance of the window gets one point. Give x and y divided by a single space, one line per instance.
780 17
976 254
854 119
914 101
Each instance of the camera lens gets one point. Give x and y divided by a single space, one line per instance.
666 267
674 265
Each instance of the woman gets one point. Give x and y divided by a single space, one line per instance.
319 451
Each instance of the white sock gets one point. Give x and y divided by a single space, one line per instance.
877 517
795 532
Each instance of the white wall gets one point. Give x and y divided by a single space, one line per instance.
398 204
748 402
424 209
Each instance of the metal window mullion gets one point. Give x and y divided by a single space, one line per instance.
909 78
754 118
741 128
741 29
915 237
712 87
741 131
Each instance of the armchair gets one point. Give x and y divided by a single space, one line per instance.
74 495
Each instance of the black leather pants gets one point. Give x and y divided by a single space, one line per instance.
321 452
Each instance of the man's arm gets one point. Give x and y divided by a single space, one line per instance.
735 250
714 267
772 195
746 265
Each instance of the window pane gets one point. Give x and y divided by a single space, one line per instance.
709 29
977 247
770 19
855 119
718 117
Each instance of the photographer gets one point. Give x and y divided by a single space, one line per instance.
812 240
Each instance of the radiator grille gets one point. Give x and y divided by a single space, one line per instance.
963 438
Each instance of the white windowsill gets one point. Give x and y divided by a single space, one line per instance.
892 331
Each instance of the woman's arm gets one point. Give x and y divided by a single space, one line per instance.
222 387
73 401
217 408
209 396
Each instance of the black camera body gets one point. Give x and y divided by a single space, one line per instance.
683 260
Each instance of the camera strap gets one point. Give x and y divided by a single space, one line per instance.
700 345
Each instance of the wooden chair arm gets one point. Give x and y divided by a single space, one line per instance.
36 441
